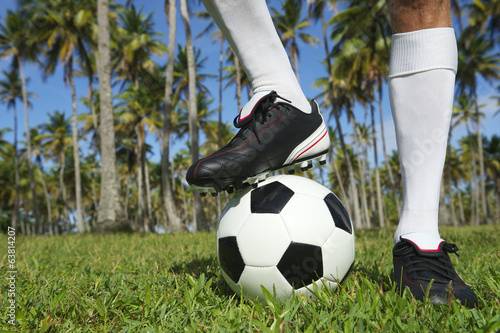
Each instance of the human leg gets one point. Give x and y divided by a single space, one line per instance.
421 86
249 29
278 126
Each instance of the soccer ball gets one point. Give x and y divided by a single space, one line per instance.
284 235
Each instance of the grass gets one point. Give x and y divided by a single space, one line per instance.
171 283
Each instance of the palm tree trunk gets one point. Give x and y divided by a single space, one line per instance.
28 140
142 216
219 123
110 216
62 186
353 191
199 217
461 211
92 105
370 186
475 186
361 169
174 221
380 203
484 201
497 218
148 195
451 198
352 183
15 211
386 159
76 154
343 195
47 201
238 80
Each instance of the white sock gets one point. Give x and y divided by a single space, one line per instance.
421 86
249 29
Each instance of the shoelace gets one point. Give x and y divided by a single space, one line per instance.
260 114
441 266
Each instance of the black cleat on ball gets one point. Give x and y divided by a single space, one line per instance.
416 267
273 135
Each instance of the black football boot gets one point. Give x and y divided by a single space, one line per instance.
273 135
415 267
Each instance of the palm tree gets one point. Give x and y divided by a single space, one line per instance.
237 76
68 26
15 40
476 59
362 137
136 43
88 69
174 221
466 110
141 113
56 140
362 53
110 215
289 25
484 17
8 194
200 219
181 74
492 149
10 91
38 154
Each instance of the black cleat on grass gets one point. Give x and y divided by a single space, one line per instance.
272 135
415 268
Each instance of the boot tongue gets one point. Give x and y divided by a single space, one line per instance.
424 242
249 108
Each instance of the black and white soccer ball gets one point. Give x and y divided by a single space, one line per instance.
285 235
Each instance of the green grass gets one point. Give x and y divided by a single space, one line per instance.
171 283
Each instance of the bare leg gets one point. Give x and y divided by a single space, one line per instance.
409 16
249 29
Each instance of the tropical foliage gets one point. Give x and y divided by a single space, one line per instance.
158 98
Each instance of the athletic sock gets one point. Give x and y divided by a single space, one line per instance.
421 86
249 29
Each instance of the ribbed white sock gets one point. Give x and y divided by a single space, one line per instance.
421 86
249 29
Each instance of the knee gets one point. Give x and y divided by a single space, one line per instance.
411 15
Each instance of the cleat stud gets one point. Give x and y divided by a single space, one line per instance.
322 160
255 185
230 189
214 194
203 194
305 165
291 171
238 185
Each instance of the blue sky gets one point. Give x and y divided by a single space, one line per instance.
54 95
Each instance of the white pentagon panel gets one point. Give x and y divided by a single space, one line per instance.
262 240
338 255
270 277
234 215
308 220
304 185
